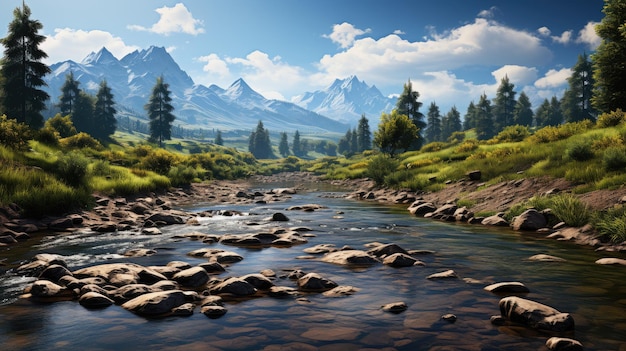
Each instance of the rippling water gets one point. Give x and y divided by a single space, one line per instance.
595 295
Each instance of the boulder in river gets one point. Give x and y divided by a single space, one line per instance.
93 299
530 219
535 315
314 282
350 258
507 287
401 260
563 344
156 304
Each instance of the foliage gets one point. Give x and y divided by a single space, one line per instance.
408 105
450 124
81 141
611 119
611 223
218 138
579 150
565 207
434 146
259 142
160 109
296 145
104 113
62 124
395 132
563 131
23 71
47 135
609 70
576 101
523 114
14 134
72 169
433 132
381 166
69 94
504 105
283 145
182 175
483 117
159 161
513 133
364 135
614 159
467 146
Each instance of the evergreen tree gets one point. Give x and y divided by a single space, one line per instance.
354 142
395 132
296 147
409 106
83 114
160 110
609 58
104 112
218 138
22 70
469 121
450 123
364 135
69 94
523 113
331 149
433 132
345 143
484 119
504 105
549 113
260 145
576 101
283 145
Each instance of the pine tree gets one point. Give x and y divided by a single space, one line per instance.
259 144
504 105
409 106
354 142
296 148
469 121
450 123
283 145
576 101
549 113
69 94
159 110
364 135
104 112
433 132
609 58
23 71
218 138
523 113
83 114
484 119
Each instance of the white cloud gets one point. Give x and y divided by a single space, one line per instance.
544 31
215 66
72 44
518 75
554 78
564 38
588 36
175 19
345 34
398 32
391 58
490 13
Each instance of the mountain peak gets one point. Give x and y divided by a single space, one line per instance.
103 56
241 90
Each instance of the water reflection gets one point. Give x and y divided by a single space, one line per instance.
593 294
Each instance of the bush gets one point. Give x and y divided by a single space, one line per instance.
606 142
456 138
380 167
81 140
48 136
611 119
434 146
611 223
513 134
467 146
72 169
563 131
614 159
579 150
62 125
571 210
159 161
14 135
182 175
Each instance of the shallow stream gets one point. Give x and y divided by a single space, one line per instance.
595 295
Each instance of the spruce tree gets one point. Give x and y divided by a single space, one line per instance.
218 138
159 110
469 121
484 119
523 113
22 70
409 106
69 94
450 123
504 105
259 144
83 114
576 101
283 145
104 113
433 132
296 148
364 135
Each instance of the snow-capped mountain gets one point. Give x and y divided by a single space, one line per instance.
238 107
346 100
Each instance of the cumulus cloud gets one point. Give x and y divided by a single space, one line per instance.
565 37
518 75
175 19
345 34
554 78
588 36
72 44
490 13
215 66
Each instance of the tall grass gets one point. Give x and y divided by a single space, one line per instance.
565 207
611 223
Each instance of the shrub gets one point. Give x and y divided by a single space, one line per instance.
563 131
182 175
159 161
584 175
14 135
467 146
606 142
611 223
72 169
611 119
81 140
456 138
513 134
48 136
434 146
614 159
62 125
579 150
380 167
571 210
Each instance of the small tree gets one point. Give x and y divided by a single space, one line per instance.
283 145
22 70
504 105
523 113
395 132
159 110
259 144
218 138
296 146
364 135
69 94
576 101
82 116
409 106
433 132
450 123
104 113
484 119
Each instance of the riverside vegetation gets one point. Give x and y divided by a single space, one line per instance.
43 174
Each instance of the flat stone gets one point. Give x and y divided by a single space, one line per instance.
395 307
563 344
507 287
443 275
546 258
92 299
156 304
611 260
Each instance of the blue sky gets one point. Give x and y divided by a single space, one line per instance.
452 50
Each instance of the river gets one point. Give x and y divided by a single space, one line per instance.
595 295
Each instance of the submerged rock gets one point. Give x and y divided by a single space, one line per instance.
314 282
156 304
535 315
507 287
350 257
563 344
395 307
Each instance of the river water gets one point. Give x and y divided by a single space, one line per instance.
595 295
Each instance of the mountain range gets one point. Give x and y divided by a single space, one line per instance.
237 107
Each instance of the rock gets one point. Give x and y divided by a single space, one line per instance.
423 209
212 267
282 191
106 227
166 218
183 310
563 344
495 220
507 287
395 307
306 208
93 299
341 291
54 273
320 249
474 175
212 311
530 219
192 277
234 286
443 275
278 217
139 252
282 291
151 231
313 282
258 281
47 289
350 258
156 304
451 318
401 260
130 291
611 260
546 258
120 273
447 209
61 224
535 315
386 250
